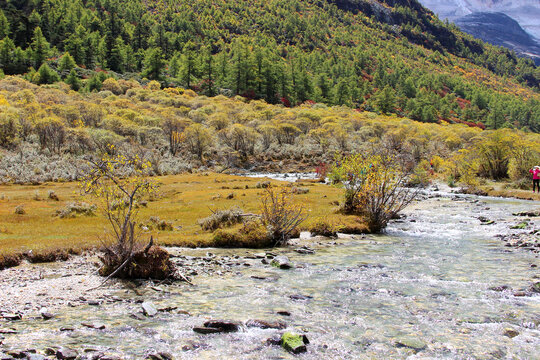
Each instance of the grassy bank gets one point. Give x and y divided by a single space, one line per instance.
183 200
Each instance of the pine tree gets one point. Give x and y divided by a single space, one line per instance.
73 80
40 48
66 63
153 64
385 100
4 25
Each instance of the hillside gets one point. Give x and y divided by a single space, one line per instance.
386 56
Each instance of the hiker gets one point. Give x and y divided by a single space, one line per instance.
536 177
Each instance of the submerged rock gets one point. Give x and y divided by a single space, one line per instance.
263 324
206 330
294 343
411 343
149 309
281 262
511 333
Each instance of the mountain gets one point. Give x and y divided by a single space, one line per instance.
390 56
501 30
525 12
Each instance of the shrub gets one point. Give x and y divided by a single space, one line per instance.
280 215
113 86
52 195
19 210
222 218
374 187
162 225
77 208
252 235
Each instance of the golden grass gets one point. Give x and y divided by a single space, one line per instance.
183 200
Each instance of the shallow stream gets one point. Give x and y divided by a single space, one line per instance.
424 284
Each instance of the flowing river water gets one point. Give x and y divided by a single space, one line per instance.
419 291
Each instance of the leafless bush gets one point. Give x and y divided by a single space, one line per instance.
280 215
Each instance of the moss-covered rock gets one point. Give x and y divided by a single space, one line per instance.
294 343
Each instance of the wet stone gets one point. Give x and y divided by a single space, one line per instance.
17 354
67 328
206 330
283 313
281 262
66 354
12 316
511 333
262 324
45 314
97 326
300 297
35 357
149 309
159 356
499 288
223 325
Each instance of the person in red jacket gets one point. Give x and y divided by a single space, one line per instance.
535 171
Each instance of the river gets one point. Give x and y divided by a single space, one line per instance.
421 290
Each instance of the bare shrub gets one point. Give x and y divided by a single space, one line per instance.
119 184
280 215
19 210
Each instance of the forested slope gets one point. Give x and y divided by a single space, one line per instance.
389 56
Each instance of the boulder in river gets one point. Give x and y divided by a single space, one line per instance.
149 309
281 262
263 324
294 343
66 354
535 287
217 326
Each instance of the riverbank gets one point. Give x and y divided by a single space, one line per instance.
50 221
437 283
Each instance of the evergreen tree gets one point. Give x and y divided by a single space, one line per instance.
66 63
4 25
73 80
153 64
40 48
385 100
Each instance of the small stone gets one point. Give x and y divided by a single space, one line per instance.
149 309
499 288
66 354
511 333
260 255
281 262
45 314
35 357
284 313
93 302
535 287
17 354
137 316
97 326
67 328
12 316
300 297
